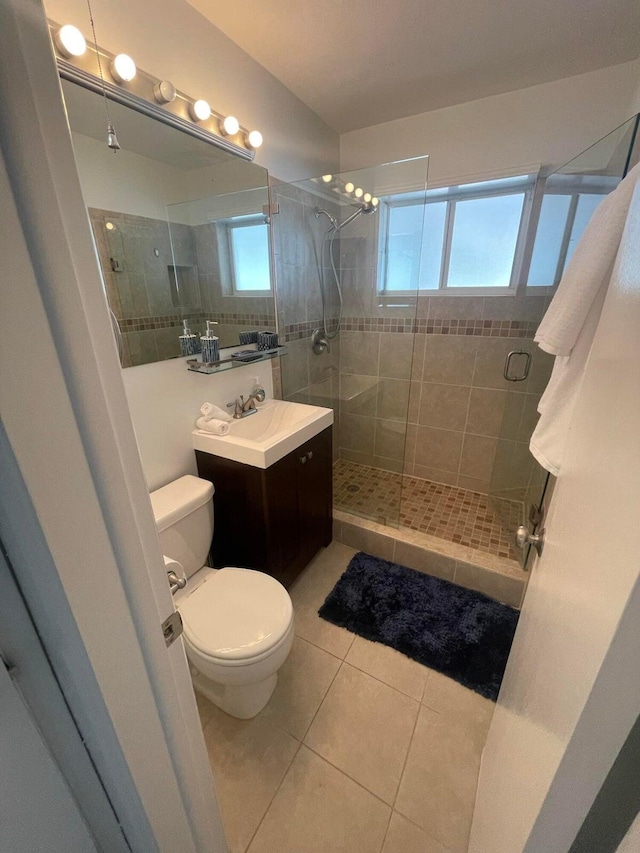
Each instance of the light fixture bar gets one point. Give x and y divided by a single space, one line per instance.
146 94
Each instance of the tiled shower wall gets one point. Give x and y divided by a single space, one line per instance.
140 293
416 384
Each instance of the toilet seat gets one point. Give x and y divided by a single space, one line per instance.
237 617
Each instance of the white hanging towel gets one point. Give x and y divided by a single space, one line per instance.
568 328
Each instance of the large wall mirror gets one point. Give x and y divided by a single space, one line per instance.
181 229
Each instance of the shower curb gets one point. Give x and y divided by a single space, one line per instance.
499 578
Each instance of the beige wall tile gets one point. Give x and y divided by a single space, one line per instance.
364 728
456 307
444 406
438 448
478 454
386 664
396 353
318 809
490 362
357 433
395 465
355 456
393 399
502 588
425 561
417 361
449 359
359 352
390 439
486 411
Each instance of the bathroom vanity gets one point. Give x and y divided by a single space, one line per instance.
273 488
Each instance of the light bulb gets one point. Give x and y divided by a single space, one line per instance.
349 187
254 139
70 41
327 178
164 92
375 202
200 110
367 197
109 226
123 68
230 126
358 192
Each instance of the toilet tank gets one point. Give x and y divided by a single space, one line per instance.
184 517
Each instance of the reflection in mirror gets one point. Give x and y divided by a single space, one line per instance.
179 228
230 234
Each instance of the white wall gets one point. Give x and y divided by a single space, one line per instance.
173 41
125 182
547 124
164 401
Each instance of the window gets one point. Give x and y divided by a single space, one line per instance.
248 238
463 238
563 218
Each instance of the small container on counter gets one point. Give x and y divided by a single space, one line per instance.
210 344
267 340
189 344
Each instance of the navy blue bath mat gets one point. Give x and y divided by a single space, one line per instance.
458 632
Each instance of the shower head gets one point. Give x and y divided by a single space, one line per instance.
365 207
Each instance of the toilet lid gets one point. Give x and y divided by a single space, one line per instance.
236 614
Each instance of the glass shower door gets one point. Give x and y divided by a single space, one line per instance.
563 204
350 335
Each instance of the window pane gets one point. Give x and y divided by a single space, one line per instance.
251 257
407 266
587 203
485 233
546 249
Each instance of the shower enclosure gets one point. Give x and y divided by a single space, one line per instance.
411 313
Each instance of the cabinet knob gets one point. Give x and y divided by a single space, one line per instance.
310 454
303 459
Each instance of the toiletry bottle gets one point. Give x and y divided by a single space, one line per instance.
188 341
209 342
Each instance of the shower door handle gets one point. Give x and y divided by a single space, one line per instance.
507 364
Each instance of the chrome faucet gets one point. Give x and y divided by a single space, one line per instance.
242 408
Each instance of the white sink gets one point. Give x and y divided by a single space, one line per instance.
277 428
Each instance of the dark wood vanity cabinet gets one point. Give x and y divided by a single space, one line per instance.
274 519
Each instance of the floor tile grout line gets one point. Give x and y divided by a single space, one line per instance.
266 811
345 774
406 758
321 703
381 680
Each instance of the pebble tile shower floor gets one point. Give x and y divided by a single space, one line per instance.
457 515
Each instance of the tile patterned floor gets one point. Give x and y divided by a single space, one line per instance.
458 515
360 750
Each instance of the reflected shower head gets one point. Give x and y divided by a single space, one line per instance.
365 207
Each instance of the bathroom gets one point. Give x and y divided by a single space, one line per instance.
430 465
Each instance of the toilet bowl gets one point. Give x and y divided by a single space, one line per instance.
238 623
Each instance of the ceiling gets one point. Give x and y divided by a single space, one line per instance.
363 62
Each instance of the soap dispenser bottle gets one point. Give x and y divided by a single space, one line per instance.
209 343
188 341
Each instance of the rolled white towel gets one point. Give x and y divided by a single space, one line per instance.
214 426
210 411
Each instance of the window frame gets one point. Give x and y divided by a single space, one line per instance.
451 195
232 225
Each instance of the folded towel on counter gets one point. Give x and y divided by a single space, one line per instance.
210 411
214 426
569 326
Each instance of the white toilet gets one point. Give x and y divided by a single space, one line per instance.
238 623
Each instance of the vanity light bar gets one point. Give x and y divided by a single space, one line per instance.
78 61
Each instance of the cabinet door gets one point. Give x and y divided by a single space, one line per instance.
315 500
282 513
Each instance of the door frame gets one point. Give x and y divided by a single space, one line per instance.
99 600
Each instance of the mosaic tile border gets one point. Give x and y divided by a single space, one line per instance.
476 328
165 321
